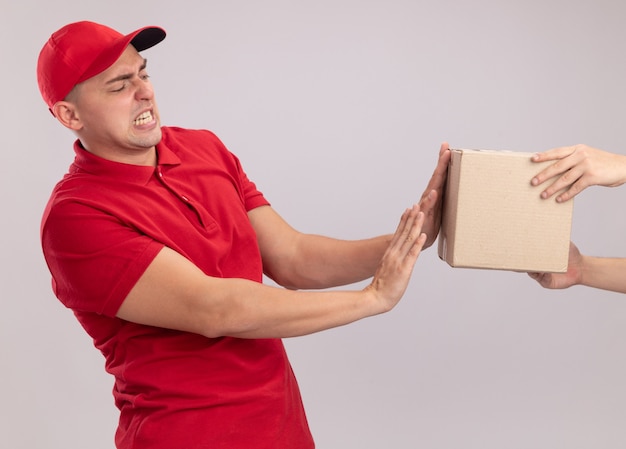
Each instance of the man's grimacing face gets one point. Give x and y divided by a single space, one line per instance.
117 116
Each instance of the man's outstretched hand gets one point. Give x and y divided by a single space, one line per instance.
432 198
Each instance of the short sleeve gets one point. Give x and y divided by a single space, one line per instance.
252 197
94 259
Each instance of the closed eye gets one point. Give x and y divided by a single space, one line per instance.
123 78
121 88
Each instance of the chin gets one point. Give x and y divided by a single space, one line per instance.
149 140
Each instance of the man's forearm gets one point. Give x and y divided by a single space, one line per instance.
327 262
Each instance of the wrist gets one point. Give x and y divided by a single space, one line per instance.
372 301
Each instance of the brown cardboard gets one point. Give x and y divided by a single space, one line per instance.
493 218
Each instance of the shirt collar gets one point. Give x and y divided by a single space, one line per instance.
139 174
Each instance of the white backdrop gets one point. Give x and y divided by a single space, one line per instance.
337 109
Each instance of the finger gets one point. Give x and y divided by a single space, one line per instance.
441 169
560 167
429 201
570 184
539 277
574 190
553 154
438 178
414 230
418 245
566 181
407 233
397 235
410 230
568 158
444 153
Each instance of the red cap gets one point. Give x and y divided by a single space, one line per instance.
82 50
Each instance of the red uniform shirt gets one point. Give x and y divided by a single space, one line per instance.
105 222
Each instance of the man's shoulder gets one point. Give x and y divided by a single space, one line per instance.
194 143
174 134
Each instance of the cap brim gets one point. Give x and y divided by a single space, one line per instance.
147 37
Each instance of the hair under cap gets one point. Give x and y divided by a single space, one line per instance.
82 50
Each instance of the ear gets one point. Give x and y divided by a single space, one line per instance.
66 113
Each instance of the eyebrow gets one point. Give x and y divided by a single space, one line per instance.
127 76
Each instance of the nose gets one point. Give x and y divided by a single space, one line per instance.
143 90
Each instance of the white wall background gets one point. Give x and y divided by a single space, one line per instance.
337 109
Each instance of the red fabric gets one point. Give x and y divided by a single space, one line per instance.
81 50
105 222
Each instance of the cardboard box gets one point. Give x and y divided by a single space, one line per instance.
493 218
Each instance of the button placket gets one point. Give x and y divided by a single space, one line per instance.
180 196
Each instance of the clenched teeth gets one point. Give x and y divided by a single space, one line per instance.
144 118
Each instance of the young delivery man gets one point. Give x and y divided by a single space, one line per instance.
157 240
